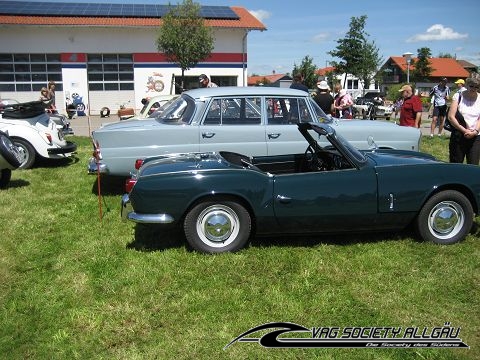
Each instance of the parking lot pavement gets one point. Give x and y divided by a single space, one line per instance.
84 125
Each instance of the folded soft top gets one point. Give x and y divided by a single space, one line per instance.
24 110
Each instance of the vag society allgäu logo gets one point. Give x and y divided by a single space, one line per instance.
290 335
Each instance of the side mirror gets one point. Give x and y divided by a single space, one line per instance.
371 143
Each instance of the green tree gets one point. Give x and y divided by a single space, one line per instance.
421 69
358 56
446 55
307 69
263 81
184 38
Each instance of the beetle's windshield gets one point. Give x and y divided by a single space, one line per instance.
158 112
180 110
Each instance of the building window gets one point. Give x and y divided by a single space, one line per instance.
352 84
110 72
29 72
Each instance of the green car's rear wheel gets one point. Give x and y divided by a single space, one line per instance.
217 226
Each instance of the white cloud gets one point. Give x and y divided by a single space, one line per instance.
261 14
319 38
437 32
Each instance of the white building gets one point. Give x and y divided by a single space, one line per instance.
106 54
352 84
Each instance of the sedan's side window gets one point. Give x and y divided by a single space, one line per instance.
233 111
213 113
284 111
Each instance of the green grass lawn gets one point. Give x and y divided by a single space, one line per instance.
73 286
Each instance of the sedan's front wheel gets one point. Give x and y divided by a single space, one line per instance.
217 226
446 218
5 176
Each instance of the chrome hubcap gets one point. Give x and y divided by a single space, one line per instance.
446 219
22 155
217 225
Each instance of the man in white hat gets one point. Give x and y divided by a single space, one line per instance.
323 98
205 82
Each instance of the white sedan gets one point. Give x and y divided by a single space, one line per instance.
255 121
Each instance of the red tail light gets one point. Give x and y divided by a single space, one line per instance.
138 163
49 137
129 184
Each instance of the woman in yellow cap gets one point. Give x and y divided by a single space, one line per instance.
460 85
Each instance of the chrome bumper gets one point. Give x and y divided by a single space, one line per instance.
70 147
127 213
94 167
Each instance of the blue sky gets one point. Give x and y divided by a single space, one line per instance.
296 29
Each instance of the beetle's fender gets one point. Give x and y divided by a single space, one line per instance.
37 138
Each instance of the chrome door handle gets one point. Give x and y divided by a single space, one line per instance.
283 199
208 135
273 136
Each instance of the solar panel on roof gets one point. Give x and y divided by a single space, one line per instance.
26 8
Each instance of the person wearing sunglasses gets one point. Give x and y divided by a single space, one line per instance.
464 115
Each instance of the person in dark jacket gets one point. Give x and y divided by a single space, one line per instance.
323 98
298 83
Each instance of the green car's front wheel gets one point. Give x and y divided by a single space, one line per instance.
217 226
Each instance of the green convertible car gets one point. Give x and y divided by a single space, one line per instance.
221 199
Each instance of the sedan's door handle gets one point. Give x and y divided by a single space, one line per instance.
208 135
283 199
273 136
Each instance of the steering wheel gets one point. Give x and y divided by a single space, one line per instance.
313 162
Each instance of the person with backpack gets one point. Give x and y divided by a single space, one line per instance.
343 103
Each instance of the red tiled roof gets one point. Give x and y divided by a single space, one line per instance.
441 67
323 71
253 80
467 64
246 21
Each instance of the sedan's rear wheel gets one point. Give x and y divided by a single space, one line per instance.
446 218
217 226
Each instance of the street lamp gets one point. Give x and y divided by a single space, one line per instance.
408 57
